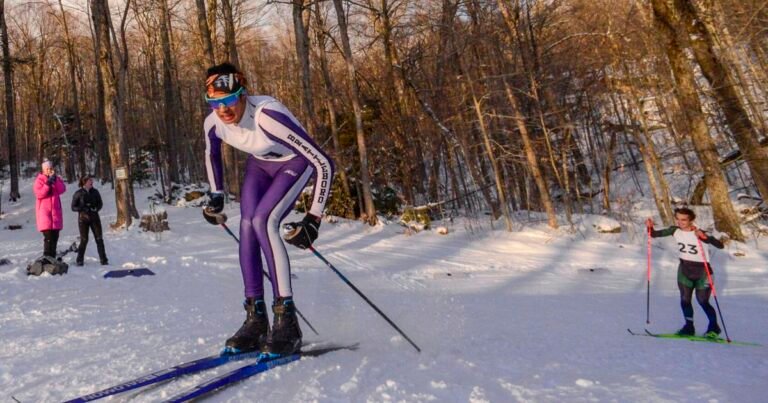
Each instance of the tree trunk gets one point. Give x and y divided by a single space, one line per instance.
510 22
230 42
650 163
396 89
530 154
121 46
674 130
171 107
301 34
370 209
212 11
104 162
114 113
230 157
10 125
205 33
726 219
607 172
653 168
330 98
494 163
78 126
724 86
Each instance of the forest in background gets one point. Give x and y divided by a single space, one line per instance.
493 105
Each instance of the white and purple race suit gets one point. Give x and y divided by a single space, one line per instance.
281 161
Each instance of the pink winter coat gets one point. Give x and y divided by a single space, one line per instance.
48 205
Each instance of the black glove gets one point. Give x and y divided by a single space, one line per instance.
213 211
52 179
302 234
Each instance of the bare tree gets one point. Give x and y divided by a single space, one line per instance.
10 125
205 33
171 107
73 63
480 104
301 35
370 209
229 155
704 41
725 216
321 39
114 114
511 23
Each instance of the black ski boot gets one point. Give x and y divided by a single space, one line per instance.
687 330
285 337
253 333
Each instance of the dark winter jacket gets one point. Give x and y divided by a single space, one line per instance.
86 201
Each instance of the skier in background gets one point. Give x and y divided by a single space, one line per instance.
87 202
48 187
690 273
282 158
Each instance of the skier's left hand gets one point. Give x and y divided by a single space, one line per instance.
701 234
213 211
301 234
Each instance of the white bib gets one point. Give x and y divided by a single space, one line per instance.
688 246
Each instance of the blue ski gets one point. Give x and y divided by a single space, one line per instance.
166 374
264 363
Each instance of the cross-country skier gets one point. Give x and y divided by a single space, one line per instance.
282 158
690 273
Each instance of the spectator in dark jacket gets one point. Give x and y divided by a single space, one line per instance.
87 203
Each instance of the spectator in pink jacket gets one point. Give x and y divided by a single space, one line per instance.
48 187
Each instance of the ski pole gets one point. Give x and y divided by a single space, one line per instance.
349 283
648 291
270 280
712 285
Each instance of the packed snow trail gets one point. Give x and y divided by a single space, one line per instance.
533 315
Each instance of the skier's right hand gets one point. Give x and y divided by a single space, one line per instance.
52 179
213 211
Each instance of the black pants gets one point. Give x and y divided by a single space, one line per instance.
50 240
90 221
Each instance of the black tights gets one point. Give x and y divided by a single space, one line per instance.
50 240
702 296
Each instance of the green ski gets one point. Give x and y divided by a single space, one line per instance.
674 336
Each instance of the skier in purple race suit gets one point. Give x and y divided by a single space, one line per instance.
282 158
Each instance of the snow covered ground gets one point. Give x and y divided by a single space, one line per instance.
530 316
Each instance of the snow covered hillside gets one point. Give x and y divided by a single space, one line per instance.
531 316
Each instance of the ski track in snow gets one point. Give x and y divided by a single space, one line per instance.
530 316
